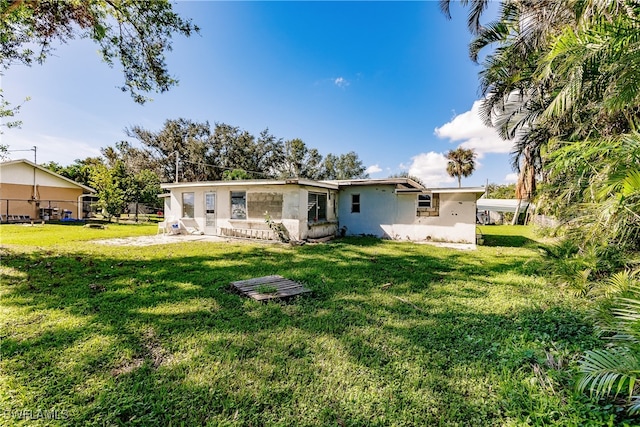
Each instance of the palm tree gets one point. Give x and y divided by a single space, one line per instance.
562 80
461 162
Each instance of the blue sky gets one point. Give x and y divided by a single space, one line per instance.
391 81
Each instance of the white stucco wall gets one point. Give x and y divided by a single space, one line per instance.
384 213
293 215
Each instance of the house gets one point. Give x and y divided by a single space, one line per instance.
307 209
402 209
29 191
397 208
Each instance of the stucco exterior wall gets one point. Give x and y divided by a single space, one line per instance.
14 199
292 200
385 214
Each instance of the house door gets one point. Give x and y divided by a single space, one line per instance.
209 213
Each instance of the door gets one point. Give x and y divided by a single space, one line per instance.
209 213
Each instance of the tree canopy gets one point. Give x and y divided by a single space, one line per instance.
136 34
228 152
128 173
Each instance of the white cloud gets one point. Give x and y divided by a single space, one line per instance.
468 129
373 169
511 178
341 82
431 168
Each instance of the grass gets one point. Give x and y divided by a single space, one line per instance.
49 235
393 334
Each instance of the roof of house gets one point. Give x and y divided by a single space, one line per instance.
501 205
43 169
402 185
251 182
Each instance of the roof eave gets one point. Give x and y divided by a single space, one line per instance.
245 183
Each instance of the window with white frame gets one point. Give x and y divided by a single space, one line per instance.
238 205
317 207
355 203
188 205
424 201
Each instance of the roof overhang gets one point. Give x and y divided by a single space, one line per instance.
478 191
251 183
404 182
501 205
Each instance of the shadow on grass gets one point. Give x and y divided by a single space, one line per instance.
508 241
153 336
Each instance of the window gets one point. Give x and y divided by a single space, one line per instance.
238 205
424 200
428 205
188 203
355 203
317 207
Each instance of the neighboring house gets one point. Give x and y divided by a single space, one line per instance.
239 208
397 208
491 211
29 191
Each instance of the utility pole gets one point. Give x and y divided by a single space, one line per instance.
35 153
177 160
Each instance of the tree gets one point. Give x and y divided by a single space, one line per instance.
142 187
343 166
79 171
475 12
461 162
190 141
135 159
563 81
111 198
299 161
501 191
234 148
228 153
6 110
135 34
232 175
405 174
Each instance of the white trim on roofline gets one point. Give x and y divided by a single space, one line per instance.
377 181
250 182
476 190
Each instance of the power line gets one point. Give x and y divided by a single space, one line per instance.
224 168
35 153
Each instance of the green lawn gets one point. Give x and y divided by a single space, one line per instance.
103 335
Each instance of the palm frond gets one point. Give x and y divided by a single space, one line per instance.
634 405
609 371
619 283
